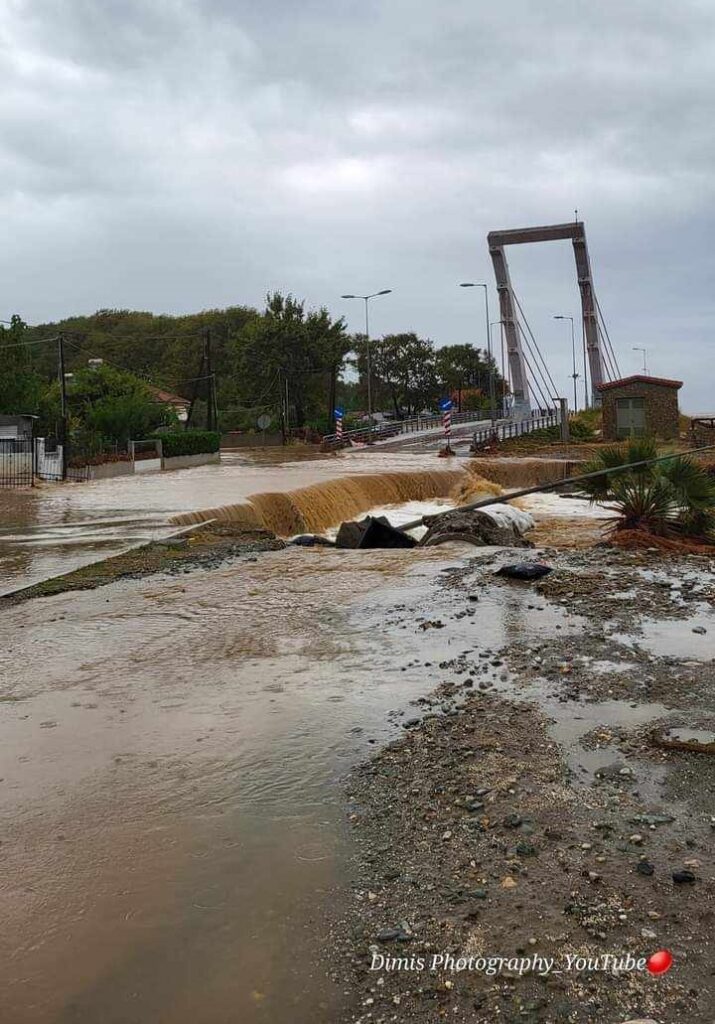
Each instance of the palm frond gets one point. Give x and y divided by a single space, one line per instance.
645 504
693 485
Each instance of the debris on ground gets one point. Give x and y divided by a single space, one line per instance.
372 532
524 571
478 527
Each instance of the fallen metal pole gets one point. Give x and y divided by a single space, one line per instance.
554 485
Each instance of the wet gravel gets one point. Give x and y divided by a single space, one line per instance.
525 811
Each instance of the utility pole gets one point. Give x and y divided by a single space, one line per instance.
281 406
210 385
332 396
288 409
195 389
63 401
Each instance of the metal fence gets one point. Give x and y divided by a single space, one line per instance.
25 460
393 428
514 428
17 462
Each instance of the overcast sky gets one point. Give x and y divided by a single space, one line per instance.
173 155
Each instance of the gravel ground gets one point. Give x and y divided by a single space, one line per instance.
526 813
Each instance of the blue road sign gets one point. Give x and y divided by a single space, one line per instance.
445 404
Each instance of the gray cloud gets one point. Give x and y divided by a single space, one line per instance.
174 155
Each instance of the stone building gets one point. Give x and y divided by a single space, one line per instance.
640 406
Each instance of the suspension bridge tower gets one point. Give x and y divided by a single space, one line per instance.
531 380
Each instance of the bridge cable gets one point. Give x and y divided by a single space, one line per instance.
536 369
538 350
536 376
608 337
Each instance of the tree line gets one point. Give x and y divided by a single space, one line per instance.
286 361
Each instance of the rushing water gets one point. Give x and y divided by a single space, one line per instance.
53 528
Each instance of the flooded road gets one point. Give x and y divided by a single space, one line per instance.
169 757
51 528
173 845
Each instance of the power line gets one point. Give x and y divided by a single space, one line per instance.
24 344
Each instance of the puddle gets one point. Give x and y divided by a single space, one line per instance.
690 639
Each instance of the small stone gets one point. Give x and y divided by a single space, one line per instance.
644 867
699 629
683 877
508 882
512 821
636 839
446 835
388 935
648 933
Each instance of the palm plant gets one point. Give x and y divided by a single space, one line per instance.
674 497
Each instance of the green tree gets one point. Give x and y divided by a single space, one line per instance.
289 350
402 367
20 384
462 368
105 405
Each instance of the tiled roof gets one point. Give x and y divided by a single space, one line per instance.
639 378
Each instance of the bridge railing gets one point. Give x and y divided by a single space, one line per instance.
514 428
393 428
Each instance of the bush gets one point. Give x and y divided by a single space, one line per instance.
188 442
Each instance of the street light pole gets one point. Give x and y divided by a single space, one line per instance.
637 348
574 374
492 392
366 299
493 323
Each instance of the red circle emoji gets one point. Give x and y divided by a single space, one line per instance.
660 962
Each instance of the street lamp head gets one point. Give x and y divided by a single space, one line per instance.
385 291
467 284
348 296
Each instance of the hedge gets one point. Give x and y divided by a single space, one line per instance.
188 442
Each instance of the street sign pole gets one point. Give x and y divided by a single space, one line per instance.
446 409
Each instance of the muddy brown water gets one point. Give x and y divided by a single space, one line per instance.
51 529
173 844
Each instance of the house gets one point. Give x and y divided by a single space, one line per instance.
180 405
640 406
16 428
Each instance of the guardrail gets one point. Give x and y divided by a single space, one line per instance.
393 428
514 428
